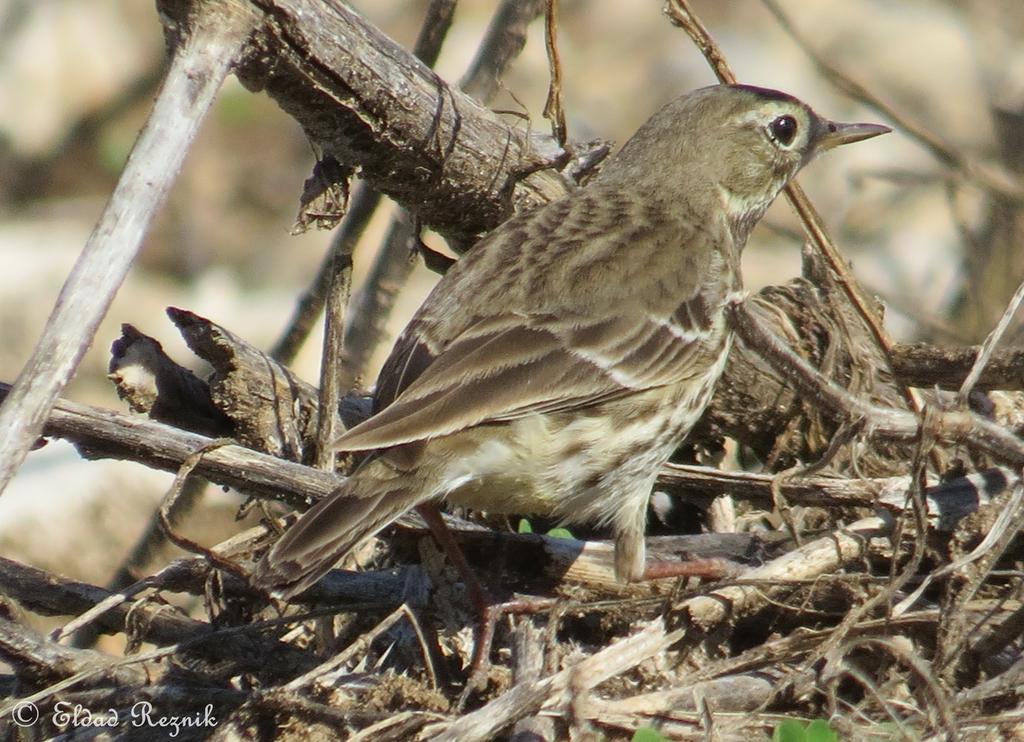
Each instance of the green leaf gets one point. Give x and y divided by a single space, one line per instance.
790 730
647 734
524 526
820 731
561 533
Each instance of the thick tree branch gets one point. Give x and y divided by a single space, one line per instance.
368 102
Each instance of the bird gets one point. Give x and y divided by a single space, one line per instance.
559 363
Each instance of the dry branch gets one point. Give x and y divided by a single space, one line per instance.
557 690
926 365
100 433
196 72
705 613
954 427
149 621
730 694
271 409
46 661
367 102
152 383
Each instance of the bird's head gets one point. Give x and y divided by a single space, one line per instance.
729 146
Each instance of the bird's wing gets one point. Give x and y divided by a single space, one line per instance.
592 297
513 364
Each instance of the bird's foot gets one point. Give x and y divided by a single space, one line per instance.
490 612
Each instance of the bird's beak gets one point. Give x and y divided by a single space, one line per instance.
834 134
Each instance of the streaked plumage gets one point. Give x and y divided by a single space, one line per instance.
558 364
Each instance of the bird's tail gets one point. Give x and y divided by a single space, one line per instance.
374 496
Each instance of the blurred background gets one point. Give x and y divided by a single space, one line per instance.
939 244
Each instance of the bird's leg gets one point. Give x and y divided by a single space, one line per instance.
633 565
488 608
443 535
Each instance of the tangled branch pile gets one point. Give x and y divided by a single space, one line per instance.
875 558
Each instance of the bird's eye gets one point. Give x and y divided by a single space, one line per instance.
783 130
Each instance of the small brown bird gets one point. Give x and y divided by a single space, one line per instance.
557 366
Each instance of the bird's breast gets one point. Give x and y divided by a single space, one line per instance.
574 466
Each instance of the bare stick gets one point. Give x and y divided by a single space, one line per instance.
372 305
371 104
197 71
330 361
359 646
47 594
553 109
924 365
526 698
989 346
361 208
704 612
102 433
434 31
956 427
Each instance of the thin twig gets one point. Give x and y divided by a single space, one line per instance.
680 14
553 109
162 653
993 178
152 539
989 346
331 359
526 698
954 634
953 426
433 32
356 647
372 304
502 43
174 493
361 207
1010 514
